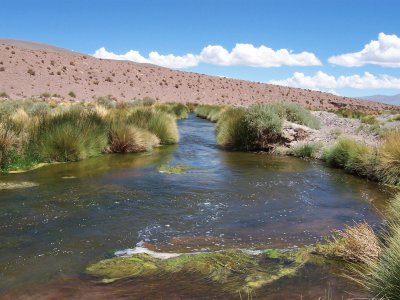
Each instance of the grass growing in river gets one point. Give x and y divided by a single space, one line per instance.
354 157
389 159
33 131
125 138
70 136
308 150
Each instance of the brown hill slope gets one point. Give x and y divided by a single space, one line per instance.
30 69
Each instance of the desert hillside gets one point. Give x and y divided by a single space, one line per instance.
30 69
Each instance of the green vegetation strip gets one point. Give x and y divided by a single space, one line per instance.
33 132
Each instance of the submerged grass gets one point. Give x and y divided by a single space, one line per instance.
234 270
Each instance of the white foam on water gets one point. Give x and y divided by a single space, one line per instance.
140 249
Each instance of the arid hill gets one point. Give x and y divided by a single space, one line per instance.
30 69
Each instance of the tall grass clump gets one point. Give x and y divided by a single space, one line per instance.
161 124
258 126
264 126
125 138
309 150
209 112
8 143
231 129
380 275
178 110
357 243
354 157
70 136
389 159
294 113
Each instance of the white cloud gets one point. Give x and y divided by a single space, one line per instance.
383 52
169 61
249 55
241 55
323 81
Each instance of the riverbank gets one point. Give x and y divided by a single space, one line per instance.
34 133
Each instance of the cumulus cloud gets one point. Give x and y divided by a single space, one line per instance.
383 52
169 61
323 81
240 55
263 57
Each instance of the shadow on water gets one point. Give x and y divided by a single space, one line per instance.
82 212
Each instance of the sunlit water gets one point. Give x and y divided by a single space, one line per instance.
82 212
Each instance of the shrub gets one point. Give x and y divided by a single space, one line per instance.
70 136
389 159
107 102
369 119
124 138
72 94
264 126
31 72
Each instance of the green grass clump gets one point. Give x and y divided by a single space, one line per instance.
294 113
354 157
209 112
70 136
369 119
380 275
308 150
232 131
389 159
258 126
162 124
178 110
125 138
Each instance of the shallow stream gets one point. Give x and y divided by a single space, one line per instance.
79 213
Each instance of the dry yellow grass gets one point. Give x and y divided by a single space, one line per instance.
389 161
357 243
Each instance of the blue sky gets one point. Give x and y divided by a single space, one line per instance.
321 28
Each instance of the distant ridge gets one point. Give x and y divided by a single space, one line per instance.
29 69
393 100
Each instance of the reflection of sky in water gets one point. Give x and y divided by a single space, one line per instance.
229 199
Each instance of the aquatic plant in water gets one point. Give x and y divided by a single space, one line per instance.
174 169
235 270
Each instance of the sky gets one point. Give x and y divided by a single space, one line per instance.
350 47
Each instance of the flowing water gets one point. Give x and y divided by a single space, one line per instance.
79 213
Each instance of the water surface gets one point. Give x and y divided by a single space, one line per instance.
82 212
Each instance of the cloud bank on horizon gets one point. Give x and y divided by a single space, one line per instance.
240 55
383 52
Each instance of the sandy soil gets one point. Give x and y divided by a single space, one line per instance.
29 69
